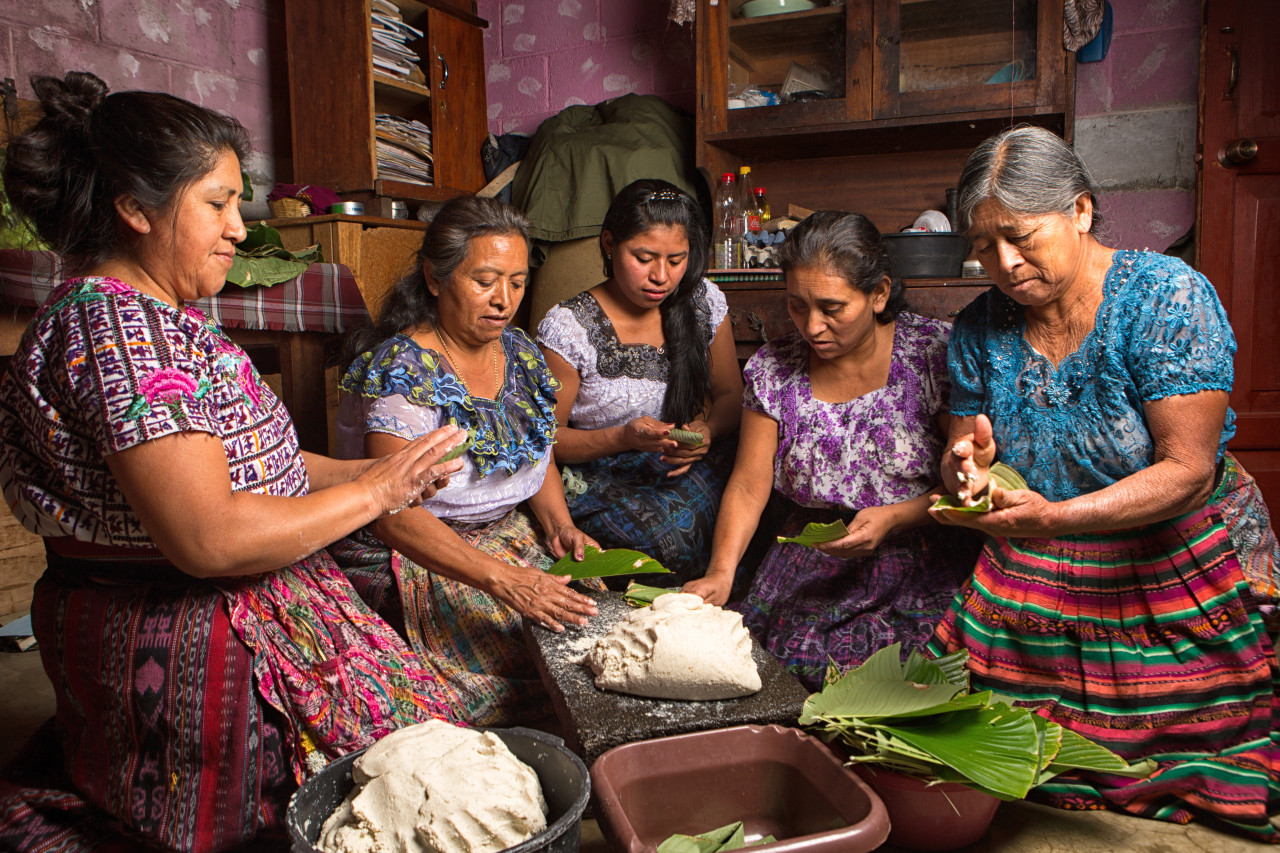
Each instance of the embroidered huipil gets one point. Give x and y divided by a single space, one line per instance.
406 390
1071 430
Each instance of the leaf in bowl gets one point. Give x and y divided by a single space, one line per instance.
602 564
461 448
685 436
815 534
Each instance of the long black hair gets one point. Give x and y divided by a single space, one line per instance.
642 206
91 147
444 247
848 245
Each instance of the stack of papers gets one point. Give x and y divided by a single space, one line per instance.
403 149
391 36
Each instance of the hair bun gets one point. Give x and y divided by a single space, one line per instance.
71 100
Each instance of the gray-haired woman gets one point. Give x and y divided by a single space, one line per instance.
460 571
1110 593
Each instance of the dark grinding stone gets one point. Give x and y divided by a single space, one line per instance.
596 720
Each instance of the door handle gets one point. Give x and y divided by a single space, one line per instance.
1238 152
1233 76
444 69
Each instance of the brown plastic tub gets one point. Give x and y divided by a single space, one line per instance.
778 781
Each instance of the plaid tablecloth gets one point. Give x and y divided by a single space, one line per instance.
325 298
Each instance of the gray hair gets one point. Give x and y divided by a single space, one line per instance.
1028 170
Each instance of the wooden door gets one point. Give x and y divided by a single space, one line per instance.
1238 222
459 123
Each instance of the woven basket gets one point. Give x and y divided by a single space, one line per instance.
288 208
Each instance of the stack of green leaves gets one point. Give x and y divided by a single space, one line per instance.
919 718
262 259
602 564
639 595
729 837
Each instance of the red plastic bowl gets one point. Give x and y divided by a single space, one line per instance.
927 817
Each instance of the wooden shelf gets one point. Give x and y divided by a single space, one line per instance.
400 84
811 31
928 20
404 189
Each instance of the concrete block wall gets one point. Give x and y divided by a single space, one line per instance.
1136 122
213 52
544 55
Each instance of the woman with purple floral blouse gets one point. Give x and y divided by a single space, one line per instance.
843 419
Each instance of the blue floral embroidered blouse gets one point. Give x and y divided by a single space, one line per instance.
405 389
1160 331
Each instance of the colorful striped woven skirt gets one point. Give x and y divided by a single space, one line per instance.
1146 641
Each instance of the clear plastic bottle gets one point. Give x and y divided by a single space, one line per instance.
762 204
747 203
728 226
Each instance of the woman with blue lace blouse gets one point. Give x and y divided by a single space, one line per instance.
1121 594
457 573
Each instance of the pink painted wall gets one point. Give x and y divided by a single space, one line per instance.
545 55
212 52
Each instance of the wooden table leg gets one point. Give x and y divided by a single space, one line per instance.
301 357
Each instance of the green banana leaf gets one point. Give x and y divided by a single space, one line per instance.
262 259
461 448
602 564
729 837
816 534
685 436
1004 476
639 595
919 717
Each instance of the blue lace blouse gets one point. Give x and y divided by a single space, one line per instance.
1160 331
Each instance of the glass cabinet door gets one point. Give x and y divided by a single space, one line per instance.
939 56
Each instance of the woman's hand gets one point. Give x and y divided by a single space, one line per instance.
684 455
866 532
414 473
649 435
568 539
543 598
966 465
1014 513
714 588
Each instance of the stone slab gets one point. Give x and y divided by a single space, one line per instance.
595 720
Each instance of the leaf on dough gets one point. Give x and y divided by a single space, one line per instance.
639 595
602 564
816 534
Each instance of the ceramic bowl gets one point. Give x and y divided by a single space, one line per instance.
760 8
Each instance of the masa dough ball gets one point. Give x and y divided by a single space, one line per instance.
437 788
678 648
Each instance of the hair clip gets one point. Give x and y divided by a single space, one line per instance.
663 195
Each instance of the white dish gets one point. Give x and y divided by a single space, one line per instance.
761 8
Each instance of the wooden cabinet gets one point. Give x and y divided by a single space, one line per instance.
335 92
892 95
758 309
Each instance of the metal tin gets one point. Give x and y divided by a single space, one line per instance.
973 269
399 210
349 208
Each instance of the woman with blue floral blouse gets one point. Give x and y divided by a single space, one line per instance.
467 564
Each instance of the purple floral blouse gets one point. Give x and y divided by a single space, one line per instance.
103 368
877 449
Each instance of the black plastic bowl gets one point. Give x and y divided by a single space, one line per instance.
565 785
927 254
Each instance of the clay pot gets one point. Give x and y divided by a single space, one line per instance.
923 816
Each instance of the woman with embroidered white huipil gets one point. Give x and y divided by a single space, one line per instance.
459 572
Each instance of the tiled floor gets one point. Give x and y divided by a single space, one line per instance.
26 701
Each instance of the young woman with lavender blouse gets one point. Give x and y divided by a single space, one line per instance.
843 418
